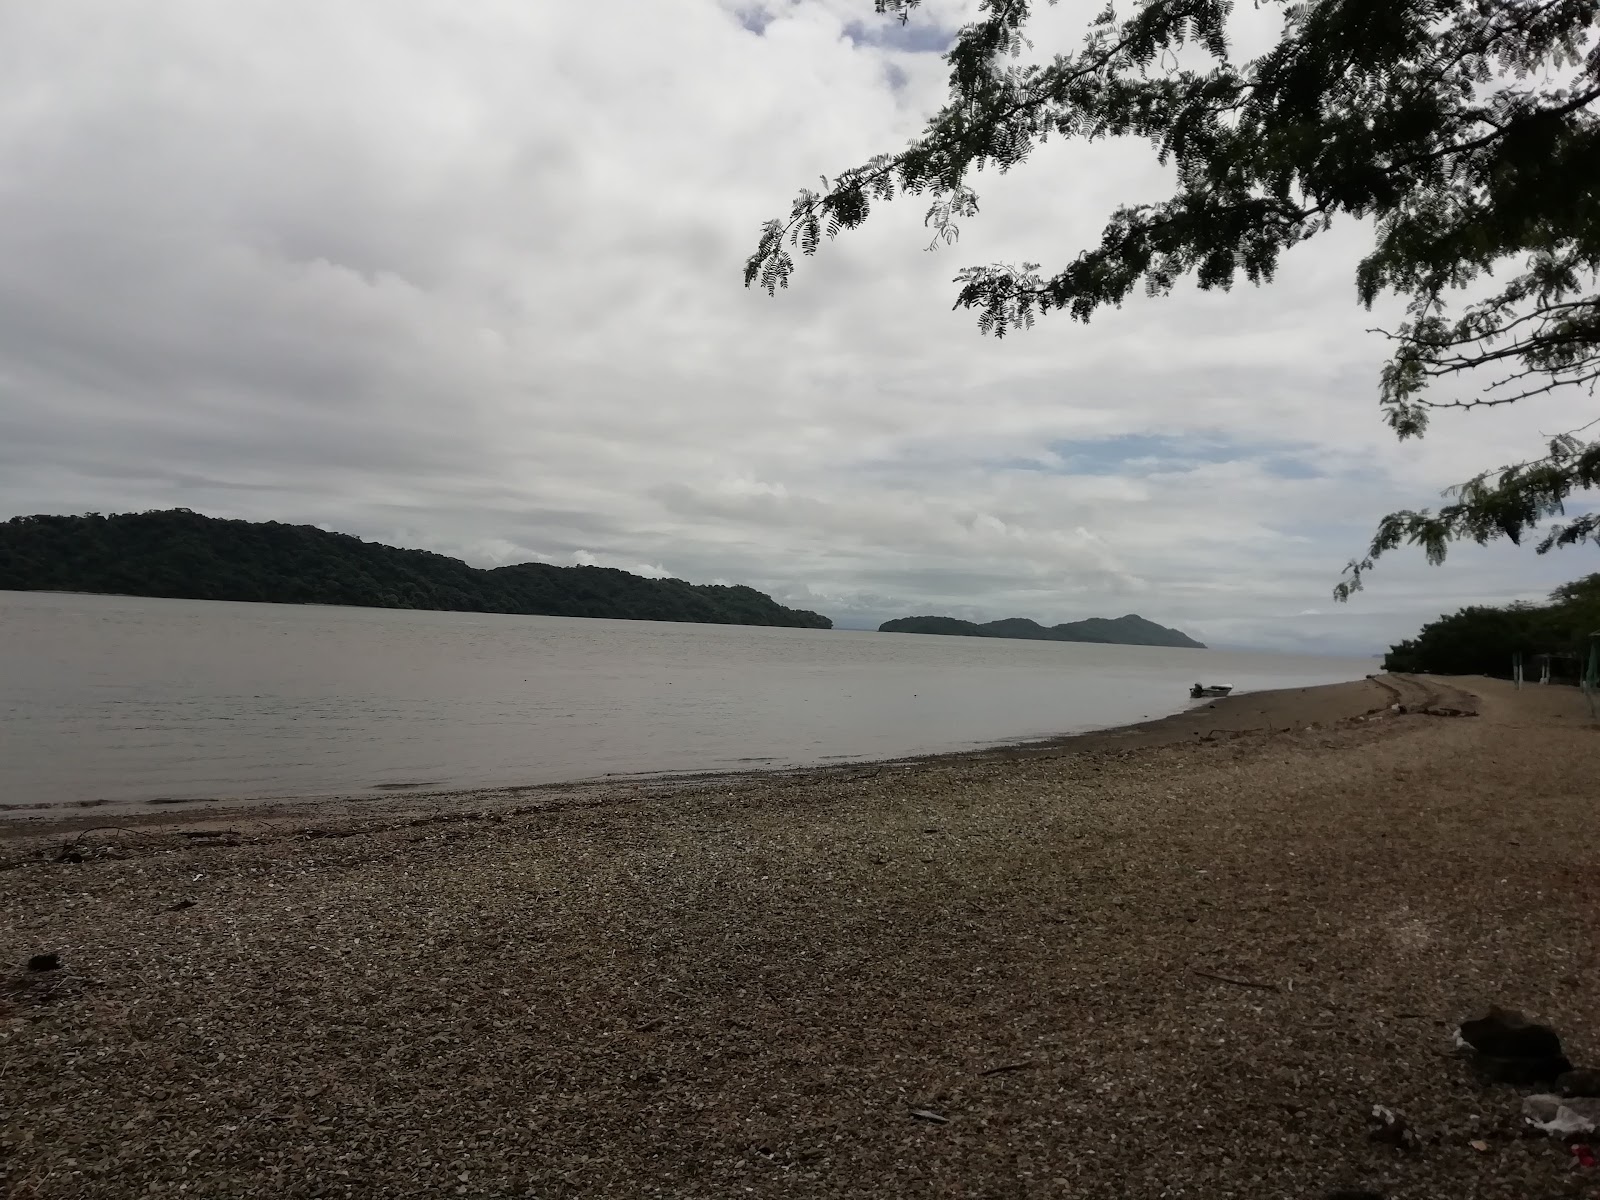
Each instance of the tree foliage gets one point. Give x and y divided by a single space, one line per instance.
183 554
1481 640
1464 130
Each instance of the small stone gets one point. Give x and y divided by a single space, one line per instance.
1582 1082
1392 1129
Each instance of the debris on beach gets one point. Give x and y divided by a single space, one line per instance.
1353 1194
83 848
1392 1129
1508 1048
927 1114
45 962
1562 1116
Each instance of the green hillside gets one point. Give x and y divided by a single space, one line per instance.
1131 630
179 553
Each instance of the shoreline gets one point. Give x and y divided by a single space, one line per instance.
1229 716
1174 961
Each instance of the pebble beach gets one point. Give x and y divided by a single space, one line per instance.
1185 959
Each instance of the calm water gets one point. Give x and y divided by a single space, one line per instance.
130 700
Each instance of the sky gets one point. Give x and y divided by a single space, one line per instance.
468 278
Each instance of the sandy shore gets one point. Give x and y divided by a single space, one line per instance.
1182 960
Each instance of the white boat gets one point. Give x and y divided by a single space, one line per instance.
1204 691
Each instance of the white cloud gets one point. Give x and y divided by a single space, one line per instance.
467 277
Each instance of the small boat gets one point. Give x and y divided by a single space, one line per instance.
1202 692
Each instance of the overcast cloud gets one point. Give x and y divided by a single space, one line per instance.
466 277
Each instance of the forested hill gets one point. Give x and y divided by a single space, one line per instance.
1131 630
183 554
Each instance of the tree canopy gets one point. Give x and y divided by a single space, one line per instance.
1465 130
1481 640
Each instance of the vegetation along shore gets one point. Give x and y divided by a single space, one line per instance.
1485 639
1186 959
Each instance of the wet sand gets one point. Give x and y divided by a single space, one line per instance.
1183 959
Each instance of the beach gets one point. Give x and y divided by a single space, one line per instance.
1182 959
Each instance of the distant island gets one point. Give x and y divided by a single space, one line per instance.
1131 630
185 555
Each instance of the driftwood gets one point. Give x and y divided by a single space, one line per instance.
1016 1066
1244 983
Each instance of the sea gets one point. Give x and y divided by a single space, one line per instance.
129 701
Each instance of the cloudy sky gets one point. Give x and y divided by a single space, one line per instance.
467 277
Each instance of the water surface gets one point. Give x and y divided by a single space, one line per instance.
133 700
